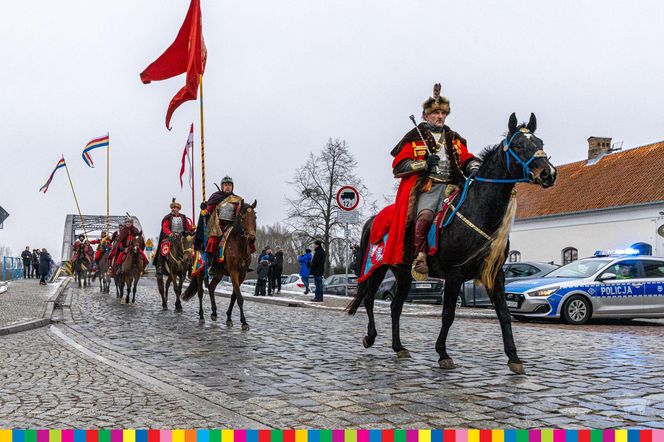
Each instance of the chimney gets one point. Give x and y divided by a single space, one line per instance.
598 146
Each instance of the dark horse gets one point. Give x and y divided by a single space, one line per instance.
102 269
132 269
177 263
80 267
463 253
236 263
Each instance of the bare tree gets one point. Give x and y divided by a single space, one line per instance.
312 211
280 237
5 250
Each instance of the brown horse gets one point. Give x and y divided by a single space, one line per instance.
236 263
102 270
132 269
80 268
178 262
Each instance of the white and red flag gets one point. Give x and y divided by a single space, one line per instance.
186 158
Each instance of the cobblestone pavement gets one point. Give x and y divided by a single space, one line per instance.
24 300
300 367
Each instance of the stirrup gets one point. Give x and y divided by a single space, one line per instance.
419 271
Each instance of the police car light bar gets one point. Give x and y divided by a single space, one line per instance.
627 251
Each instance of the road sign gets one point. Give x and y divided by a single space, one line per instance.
348 198
348 217
3 215
149 243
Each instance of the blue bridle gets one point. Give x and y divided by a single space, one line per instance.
528 175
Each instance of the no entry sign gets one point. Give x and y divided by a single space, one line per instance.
348 198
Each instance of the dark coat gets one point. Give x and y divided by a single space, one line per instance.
318 263
278 264
261 271
44 263
27 257
35 259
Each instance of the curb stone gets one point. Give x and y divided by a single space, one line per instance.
287 302
40 322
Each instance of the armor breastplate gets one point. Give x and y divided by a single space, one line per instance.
176 225
442 172
226 210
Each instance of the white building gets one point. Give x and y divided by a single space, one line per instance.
613 200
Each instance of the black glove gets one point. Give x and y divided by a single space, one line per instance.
432 161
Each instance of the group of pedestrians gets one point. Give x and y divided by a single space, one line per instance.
313 265
270 268
36 264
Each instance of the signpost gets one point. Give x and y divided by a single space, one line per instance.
3 216
348 198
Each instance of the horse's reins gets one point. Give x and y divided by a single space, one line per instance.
528 177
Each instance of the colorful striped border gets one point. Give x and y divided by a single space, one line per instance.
331 435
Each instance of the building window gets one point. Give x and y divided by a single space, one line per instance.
515 256
570 254
642 248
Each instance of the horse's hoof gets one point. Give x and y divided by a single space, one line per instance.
403 354
446 364
516 367
367 342
178 309
229 323
245 327
164 307
213 316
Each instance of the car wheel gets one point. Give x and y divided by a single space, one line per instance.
459 300
576 310
388 296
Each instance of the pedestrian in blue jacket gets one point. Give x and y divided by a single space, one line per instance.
305 264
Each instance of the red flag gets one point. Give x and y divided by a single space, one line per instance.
186 158
186 54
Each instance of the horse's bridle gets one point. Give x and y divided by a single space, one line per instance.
528 175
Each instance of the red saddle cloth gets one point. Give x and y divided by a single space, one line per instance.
379 238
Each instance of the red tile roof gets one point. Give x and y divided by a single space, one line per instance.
629 177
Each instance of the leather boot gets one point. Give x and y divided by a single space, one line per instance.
420 270
209 257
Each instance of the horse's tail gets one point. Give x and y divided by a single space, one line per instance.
361 287
496 257
192 289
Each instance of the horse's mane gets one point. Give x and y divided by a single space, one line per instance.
493 148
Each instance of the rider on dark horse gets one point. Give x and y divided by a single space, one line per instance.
173 223
103 242
125 240
220 213
82 246
429 174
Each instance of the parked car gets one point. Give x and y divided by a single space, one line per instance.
293 283
431 289
605 286
336 285
473 294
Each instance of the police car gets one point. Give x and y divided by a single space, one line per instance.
615 284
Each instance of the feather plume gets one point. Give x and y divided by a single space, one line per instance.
436 91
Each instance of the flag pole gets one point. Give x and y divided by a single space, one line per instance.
202 142
76 200
108 194
191 167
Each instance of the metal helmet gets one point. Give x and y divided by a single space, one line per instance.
129 219
228 180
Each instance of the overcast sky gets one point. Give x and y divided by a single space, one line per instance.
283 77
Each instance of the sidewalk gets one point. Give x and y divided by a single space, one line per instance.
27 305
339 303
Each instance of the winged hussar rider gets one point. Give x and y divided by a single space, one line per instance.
429 173
220 212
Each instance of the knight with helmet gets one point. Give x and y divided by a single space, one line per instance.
175 223
216 222
124 240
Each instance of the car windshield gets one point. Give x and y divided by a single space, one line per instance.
579 269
